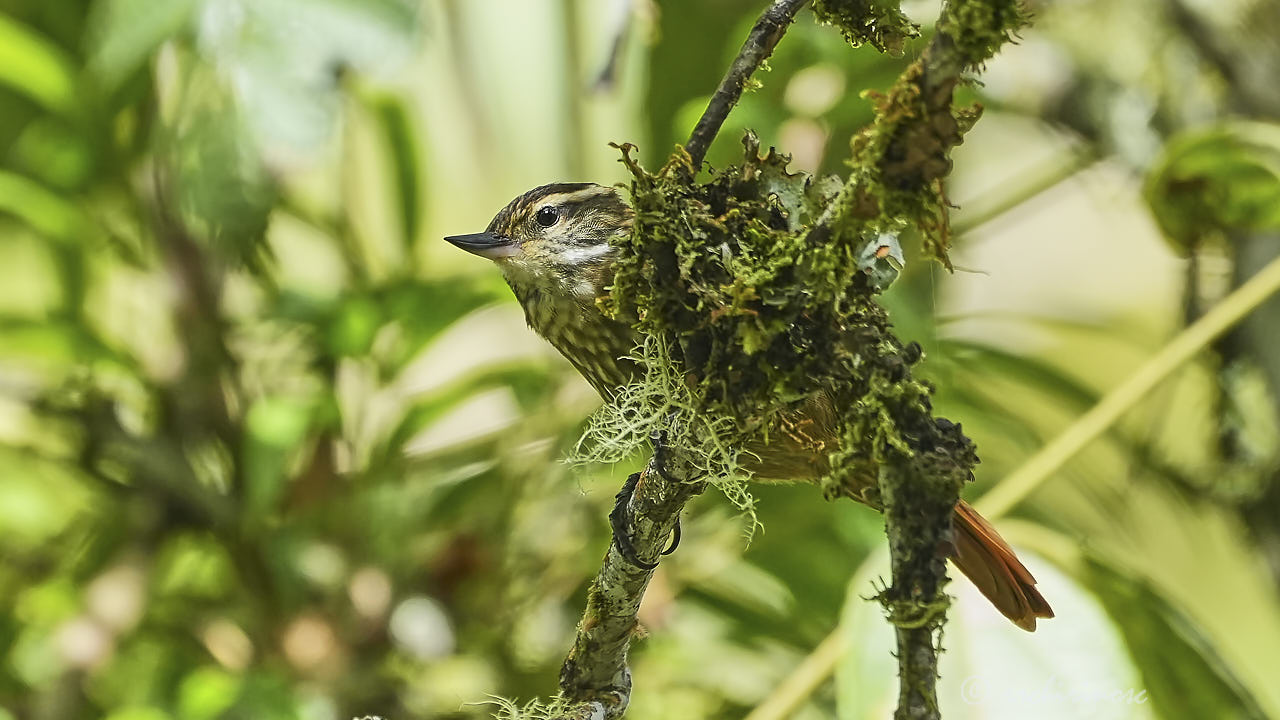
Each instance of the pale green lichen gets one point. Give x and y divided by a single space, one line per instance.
533 710
662 402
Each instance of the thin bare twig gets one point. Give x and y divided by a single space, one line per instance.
759 45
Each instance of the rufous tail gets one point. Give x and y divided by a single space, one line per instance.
988 561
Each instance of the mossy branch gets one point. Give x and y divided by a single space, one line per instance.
919 493
899 164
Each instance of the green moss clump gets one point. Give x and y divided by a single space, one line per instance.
755 290
978 29
749 315
878 22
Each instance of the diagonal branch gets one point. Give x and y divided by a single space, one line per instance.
595 677
759 45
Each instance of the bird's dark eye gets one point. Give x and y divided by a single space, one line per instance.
547 216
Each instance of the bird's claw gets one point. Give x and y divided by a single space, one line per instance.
621 529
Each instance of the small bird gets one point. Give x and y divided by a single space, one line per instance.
554 246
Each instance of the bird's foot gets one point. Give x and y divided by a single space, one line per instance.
622 531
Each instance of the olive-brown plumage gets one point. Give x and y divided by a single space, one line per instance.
554 246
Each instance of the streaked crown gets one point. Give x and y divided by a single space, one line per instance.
554 239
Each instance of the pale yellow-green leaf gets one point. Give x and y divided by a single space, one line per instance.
36 67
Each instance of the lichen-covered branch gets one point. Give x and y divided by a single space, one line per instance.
595 682
900 162
764 36
919 494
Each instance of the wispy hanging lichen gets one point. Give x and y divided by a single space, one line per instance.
532 710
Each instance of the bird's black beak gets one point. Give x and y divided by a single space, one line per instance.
486 245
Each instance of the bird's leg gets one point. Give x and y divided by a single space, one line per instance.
622 531
621 528
659 440
618 516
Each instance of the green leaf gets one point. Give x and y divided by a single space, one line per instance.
1222 178
285 58
1185 675
402 143
35 512
45 211
206 693
354 326
139 713
225 189
275 427
54 152
1034 373
126 32
194 565
435 406
35 67
1072 667
424 310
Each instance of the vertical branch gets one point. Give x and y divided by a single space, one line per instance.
919 494
595 681
574 103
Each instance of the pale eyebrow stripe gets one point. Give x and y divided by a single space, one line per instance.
577 196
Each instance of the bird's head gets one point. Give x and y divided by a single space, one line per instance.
554 240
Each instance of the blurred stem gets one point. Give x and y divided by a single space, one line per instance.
1026 186
805 680
354 252
759 45
575 135
470 83
1132 391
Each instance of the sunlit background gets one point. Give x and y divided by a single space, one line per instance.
270 449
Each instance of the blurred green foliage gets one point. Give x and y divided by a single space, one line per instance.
268 450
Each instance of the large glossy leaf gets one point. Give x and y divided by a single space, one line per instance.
285 58
1185 675
126 32
1072 667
